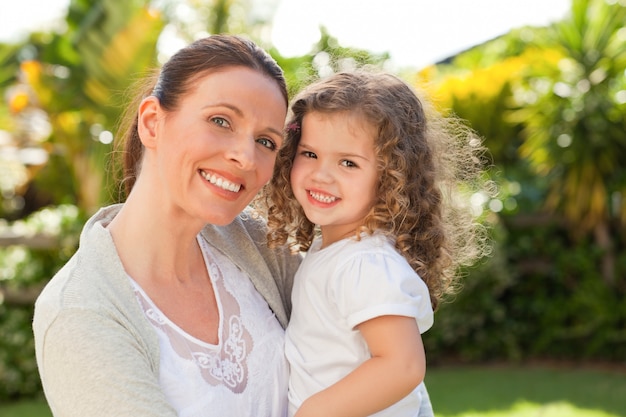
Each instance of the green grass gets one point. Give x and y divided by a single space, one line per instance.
531 391
492 391
32 408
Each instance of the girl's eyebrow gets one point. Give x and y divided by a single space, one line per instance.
354 155
342 155
304 145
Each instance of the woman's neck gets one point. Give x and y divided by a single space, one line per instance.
154 241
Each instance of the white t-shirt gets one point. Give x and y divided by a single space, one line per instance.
335 289
245 374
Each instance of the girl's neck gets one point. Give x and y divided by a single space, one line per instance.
332 236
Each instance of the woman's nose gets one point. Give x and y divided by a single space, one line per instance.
242 152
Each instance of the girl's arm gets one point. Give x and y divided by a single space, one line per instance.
397 366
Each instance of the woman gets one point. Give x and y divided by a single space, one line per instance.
173 305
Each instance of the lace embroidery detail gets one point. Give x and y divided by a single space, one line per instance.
229 370
155 316
224 363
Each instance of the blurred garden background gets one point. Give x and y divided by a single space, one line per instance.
539 327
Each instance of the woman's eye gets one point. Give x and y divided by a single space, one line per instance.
220 121
348 164
268 143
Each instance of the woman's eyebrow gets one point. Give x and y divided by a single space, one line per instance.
239 113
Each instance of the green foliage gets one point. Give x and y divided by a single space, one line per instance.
481 86
553 117
540 296
574 115
18 370
79 79
8 64
24 271
10 169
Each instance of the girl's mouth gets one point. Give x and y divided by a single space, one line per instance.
323 198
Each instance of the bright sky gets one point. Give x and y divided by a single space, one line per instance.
415 32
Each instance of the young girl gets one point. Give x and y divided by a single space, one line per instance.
367 164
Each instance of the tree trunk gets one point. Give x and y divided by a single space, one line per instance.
604 241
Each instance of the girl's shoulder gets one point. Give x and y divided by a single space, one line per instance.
351 253
376 243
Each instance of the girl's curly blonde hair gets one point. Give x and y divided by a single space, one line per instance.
424 161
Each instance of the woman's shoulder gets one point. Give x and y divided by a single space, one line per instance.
93 279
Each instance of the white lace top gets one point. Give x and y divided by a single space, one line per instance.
246 373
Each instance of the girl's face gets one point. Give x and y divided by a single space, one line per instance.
334 175
215 152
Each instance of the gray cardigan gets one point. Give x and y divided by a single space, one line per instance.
96 352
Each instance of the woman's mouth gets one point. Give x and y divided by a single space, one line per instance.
220 182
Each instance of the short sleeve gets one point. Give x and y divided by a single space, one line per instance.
374 284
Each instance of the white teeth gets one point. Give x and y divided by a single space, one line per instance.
221 182
322 197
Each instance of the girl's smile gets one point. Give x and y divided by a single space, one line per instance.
322 198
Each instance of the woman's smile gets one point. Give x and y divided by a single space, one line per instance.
220 182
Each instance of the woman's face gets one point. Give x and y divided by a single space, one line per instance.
215 152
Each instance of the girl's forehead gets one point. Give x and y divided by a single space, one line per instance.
338 132
354 120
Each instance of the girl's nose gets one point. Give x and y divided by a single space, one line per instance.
322 173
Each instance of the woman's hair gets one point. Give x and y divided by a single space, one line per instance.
423 161
176 78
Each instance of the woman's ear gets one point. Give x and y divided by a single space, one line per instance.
147 121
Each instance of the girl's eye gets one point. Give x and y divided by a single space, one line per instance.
348 164
268 143
220 121
309 154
